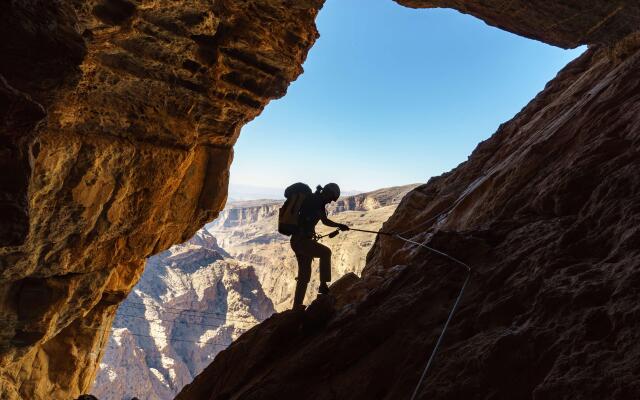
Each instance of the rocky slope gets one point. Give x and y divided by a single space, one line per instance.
248 231
117 121
191 302
546 211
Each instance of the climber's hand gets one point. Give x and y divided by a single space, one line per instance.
343 227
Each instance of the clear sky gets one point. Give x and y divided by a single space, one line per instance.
392 95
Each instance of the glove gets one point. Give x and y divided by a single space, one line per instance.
343 227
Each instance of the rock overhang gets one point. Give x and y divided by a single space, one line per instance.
566 24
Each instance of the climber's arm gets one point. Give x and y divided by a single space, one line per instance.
326 221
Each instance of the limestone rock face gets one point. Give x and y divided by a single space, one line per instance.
191 302
118 119
248 231
244 213
546 211
369 200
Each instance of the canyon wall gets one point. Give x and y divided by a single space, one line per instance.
192 301
546 212
243 213
117 124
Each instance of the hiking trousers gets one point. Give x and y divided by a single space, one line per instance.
306 249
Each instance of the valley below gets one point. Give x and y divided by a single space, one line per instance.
196 298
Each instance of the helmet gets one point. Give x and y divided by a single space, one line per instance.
333 190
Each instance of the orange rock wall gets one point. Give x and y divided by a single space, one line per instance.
118 120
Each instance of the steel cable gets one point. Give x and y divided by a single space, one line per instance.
455 304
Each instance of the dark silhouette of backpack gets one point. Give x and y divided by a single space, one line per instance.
289 215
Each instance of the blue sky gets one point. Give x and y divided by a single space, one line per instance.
391 96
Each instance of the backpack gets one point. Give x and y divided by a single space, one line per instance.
289 214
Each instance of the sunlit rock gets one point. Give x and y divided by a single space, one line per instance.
191 302
117 124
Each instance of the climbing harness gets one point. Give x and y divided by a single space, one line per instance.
333 234
468 269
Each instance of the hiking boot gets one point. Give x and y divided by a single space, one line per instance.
323 289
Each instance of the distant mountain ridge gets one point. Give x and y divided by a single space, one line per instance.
241 192
249 211
248 231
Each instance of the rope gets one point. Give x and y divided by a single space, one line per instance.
453 309
455 304
357 230
449 318
376 232
444 329
468 268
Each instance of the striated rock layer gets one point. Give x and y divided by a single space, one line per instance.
117 121
191 302
546 211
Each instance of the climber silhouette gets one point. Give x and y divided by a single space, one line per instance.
304 242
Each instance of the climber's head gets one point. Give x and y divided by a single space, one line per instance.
330 192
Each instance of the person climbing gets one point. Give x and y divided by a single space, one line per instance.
311 210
